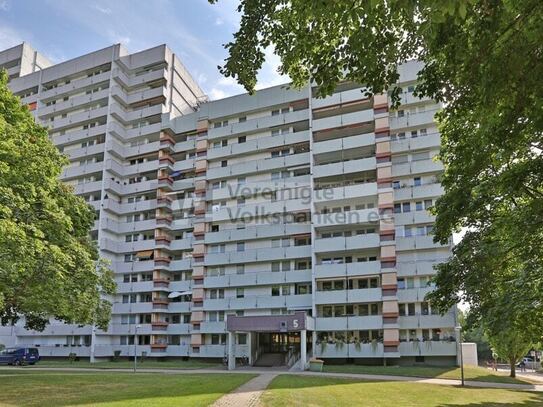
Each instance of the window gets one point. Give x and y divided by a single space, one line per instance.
397 208
241 246
411 309
242 339
424 308
401 283
243 119
396 184
400 113
275 291
417 181
275 266
275 112
427 204
418 206
242 139
224 163
406 207
240 293
240 269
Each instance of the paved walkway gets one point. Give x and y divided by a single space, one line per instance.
267 373
248 394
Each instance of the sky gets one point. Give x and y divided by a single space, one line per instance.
194 29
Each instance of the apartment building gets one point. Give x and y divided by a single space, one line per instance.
267 228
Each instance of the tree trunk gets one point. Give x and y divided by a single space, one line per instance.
513 367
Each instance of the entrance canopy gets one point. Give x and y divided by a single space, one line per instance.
296 322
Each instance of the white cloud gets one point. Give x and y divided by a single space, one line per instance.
219 21
103 10
115 37
227 81
201 78
215 94
269 75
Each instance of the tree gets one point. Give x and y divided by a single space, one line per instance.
509 335
476 334
49 266
483 61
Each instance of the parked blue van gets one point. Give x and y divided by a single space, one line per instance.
19 356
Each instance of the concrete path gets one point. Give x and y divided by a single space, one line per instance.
444 382
248 394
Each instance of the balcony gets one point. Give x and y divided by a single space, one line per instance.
344 143
255 166
258 123
259 278
328 194
413 294
254 188
422 142
427 321
348 296
351 350
342 120
262 143
349 323
333 244
347 269
344 167
418 192
418 242
248 256
417 119
258 302
416 167
428 348
256 232
355 217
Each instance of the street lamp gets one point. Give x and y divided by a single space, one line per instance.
458 330
136 346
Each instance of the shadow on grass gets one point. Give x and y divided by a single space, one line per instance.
322 390
478 374
131 389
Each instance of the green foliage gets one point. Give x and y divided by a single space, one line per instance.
331 41
49 267
476 335
483 60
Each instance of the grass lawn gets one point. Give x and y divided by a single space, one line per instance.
479 374
125 364
35 388
325 391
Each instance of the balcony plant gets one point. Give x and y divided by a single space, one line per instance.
374 345
357 345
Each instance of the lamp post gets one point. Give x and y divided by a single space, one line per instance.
136 347
458 330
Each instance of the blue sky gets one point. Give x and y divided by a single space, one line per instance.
193 29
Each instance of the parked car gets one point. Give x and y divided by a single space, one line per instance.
19 356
